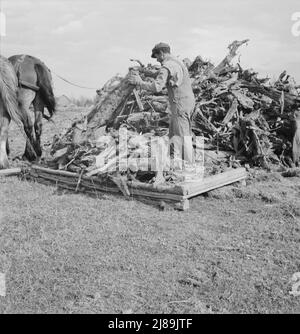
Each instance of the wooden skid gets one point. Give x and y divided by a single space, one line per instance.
177 196
10 172
195 188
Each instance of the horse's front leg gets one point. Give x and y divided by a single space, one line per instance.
38 125
26 97
30 153
4 125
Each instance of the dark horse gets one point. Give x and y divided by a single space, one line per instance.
8 106
34 88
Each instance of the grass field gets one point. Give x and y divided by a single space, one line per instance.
235 251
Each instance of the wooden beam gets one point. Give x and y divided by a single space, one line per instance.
152 194
178 196
138 100
132 184
169 189
10 172
204 185
54 171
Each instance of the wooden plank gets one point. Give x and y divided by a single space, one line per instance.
132 184
138 190
92 186
153 194
88 184
10 172
174 189
72 188
213 182
138 100
182 205
73 183
73 179
54 171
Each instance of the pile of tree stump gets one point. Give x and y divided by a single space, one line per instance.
243 118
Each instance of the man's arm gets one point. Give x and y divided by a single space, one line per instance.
157 85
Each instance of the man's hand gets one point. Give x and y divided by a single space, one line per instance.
149 73
134 79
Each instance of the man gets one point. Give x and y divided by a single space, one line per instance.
296 140
174 75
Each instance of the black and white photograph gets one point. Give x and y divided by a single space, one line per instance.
150 159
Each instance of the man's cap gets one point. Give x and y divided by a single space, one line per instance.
158 47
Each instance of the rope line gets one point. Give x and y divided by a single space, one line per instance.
73 84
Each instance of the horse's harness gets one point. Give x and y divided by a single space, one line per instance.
22 83
26 84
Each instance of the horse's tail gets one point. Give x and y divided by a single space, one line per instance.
8 91
44 82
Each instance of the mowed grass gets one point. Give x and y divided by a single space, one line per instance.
235 251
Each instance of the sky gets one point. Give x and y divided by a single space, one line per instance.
89 41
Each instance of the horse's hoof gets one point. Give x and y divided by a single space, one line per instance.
4 164
29 158
24 157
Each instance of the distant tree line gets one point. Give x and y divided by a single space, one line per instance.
83 101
